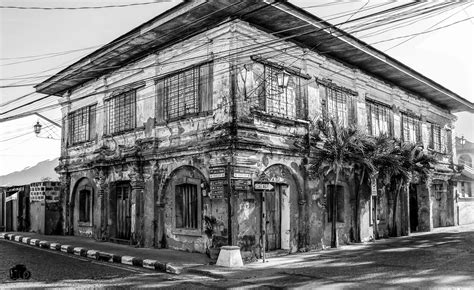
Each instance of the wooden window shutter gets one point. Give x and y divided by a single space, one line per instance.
449 141
391 126
431 134
205 86
302 99
160 101
352 109
443 138
368 110
259 85
92 122
324 102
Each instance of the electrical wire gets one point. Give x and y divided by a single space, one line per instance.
76 8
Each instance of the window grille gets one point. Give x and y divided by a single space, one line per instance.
289 102
337 104
438 139
186 203
121 112
185 93
82 124
379 120
411 131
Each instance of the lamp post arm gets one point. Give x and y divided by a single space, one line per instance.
49 120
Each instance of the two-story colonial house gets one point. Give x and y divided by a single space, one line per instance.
206 110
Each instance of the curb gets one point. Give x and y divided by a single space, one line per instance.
94 254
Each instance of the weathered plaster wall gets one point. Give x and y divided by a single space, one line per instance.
466 210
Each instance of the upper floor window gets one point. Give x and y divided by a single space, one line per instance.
82 124
439 139
411 129
184 93
287 101
379 119
121 112
337 103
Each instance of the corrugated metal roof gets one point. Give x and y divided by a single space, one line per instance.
303 28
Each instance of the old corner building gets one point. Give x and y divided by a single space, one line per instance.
184 117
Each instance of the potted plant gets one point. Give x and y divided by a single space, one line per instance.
213 248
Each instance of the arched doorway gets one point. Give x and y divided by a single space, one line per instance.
277 206
81 208
120 212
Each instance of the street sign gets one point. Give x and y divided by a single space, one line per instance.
374 188
217 189
242 172
241 184
217 172
261 185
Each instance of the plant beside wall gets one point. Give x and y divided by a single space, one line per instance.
215 241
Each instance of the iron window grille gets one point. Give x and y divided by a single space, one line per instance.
121 112
85 205
184 93
438 139
379 119
82 123
411 129
186 202
287 102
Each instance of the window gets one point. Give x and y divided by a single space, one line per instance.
186 202
82 123
185 93
121 112
338 103
84 205
332 190
411 131
287 102
379 119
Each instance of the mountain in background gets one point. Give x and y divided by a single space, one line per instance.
41 171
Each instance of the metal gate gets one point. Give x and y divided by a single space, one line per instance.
123 210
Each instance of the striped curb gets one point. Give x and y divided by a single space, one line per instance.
55 246
94 254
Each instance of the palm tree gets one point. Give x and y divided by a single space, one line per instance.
335 154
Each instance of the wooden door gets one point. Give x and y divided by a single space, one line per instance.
273 219
123 210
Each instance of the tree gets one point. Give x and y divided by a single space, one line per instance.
336 151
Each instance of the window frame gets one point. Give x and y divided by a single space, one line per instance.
89 130
85 210
410 119
117 103
379 107
202 90
187 181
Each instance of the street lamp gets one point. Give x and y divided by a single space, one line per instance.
283 77
462 141
37 128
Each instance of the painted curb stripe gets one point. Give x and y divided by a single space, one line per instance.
55 246
128 260
2 236
25 240
93 254
44 244
67 249
18 238
33 242
77 251
150 264
103 256
172 269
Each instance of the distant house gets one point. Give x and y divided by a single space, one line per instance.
200 110
465 182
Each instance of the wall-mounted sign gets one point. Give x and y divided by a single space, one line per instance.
373 188
262 185
242 184
241 172
12 197
217 172
217 188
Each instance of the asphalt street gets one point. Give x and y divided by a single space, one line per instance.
444 258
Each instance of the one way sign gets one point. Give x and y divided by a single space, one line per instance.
262 185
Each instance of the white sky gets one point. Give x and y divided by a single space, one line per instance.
445 55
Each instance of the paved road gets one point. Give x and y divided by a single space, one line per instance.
441 259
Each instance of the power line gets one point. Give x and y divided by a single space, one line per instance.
76 8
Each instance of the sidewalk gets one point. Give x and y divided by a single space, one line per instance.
164 260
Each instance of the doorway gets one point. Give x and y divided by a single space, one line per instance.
276 209
413 208
123 211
